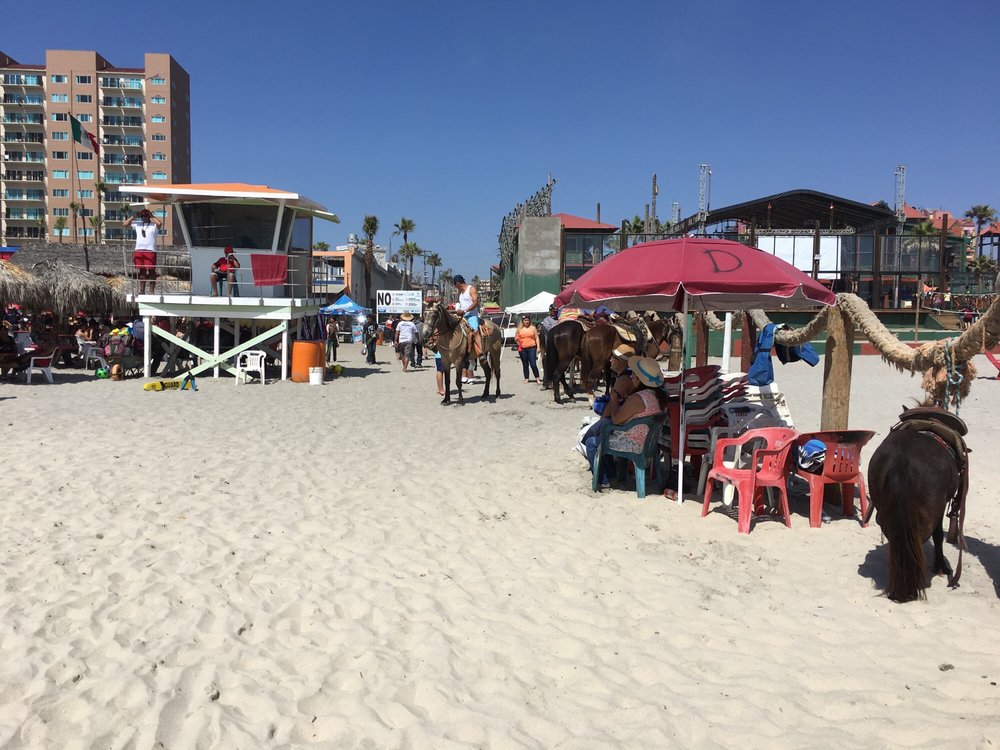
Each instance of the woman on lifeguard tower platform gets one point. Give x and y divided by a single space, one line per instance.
144 256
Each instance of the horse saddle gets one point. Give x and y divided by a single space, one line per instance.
934 414
626 334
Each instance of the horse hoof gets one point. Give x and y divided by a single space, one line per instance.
445 401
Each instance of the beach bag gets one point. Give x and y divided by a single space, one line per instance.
804 352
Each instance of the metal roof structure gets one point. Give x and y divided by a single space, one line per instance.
800 209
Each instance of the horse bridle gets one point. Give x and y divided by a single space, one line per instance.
439 311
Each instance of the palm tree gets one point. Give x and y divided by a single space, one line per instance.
96 222
981 213
74 209
408 252
445 277
980 266
434 261
404 227
101 187
369 227
60 227
321 246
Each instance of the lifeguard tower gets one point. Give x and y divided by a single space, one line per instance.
270 232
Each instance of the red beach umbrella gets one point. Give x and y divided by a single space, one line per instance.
694 273
707 274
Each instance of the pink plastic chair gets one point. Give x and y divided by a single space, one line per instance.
768 467
842 466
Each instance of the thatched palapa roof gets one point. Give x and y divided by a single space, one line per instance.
68 288
17 285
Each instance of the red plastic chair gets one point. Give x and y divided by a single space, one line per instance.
768 467
841 467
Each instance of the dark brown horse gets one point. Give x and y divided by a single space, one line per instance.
600 341
455 347
562 346
914 474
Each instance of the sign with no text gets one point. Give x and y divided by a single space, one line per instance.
399 301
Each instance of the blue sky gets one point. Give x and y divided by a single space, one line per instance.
449 113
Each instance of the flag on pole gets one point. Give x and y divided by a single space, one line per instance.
82 136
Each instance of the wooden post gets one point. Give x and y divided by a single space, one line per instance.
876 296
748 340
942 252
753 232
701 340
837 364
624 234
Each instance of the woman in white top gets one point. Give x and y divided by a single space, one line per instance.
144 256
468 306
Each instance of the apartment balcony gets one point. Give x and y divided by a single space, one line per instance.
18 138
24 100
24 215
24 196
24 176
17 118
117 141
128 160
17 79
118 102
30 233
112 121
21 157
128 84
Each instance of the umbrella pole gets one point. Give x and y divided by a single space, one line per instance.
683 414
727 342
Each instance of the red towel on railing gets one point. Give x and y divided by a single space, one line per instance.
268 270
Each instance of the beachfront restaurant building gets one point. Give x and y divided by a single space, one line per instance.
547 252
272 301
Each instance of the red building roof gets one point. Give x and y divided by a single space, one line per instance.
578 222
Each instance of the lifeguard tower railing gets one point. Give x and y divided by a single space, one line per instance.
261 275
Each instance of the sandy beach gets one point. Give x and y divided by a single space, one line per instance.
355 565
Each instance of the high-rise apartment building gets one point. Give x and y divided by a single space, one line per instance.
141 118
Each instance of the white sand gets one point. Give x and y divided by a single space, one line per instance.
357 566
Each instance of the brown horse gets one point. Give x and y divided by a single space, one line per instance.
455 347
914 474
599 343
562 346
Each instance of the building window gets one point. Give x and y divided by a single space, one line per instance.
84 193
64 232
86 80
60 154
159 137
84 99
86 118
57 79
157 81
60 117
159 157
84 155
161 214
60 193
85 175
60 212
60 174
159 118
159 175
158 100
60 98
88 231
60 135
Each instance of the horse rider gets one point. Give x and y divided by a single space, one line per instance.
468 306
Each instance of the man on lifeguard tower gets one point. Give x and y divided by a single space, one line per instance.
144 257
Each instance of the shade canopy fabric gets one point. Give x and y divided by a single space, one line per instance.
343 306
709 274
538 304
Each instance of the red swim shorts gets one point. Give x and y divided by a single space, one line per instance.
144 259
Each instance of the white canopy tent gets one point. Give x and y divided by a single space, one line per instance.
536 305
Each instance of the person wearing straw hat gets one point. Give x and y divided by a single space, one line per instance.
647 399
404 334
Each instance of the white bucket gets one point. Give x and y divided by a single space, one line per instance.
315 376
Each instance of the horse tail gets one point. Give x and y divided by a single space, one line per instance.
907 576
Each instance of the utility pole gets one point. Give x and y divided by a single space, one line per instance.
656 191
675 216
900 175
704 195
